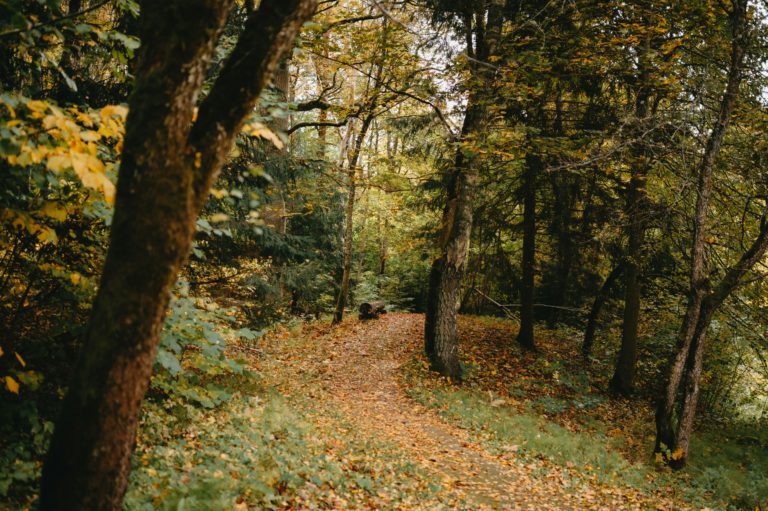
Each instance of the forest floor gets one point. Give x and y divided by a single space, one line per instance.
367 377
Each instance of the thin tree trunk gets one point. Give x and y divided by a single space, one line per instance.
68 63
564 197
597 305
686 362
341 300
623 381
533 166
168 165
383 247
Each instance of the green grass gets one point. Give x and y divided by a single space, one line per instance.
722 474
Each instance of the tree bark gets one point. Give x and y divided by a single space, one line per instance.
597 305
167 168
440 335
702 303
349 210
533 166
623 381
383 247
564 191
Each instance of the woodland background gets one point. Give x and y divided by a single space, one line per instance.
580 169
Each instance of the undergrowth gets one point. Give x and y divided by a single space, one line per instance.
257 452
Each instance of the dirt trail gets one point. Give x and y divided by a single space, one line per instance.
360 377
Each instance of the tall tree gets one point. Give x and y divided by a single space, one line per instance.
483 24
370 100
533 167
170 159
623 380
349 211
677 405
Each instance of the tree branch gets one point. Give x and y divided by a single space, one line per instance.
301 125
268 34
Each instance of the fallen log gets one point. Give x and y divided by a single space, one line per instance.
372 310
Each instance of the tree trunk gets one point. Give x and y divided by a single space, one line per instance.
597 305
440 338
167 168
702 303
564 198
349 210
443 350
70 56
533 166
623 381
383 247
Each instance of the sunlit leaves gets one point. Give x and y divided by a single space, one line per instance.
258 130
84 142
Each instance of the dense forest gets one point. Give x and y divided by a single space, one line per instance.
383 254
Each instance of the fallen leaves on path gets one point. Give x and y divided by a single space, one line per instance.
354 369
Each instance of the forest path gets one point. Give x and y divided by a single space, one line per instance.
354 368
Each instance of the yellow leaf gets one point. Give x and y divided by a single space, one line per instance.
89 136
79 163
47 235
55 211
21 360
1 352
219 217
75 278
58 162
678 454
11 385
85 119
10 109
113 111
37 154
256 129
37 106
100 182
198 159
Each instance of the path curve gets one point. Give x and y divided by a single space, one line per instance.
359 367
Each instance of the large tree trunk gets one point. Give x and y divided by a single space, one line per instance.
440 338
533 166
167 168
702 303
